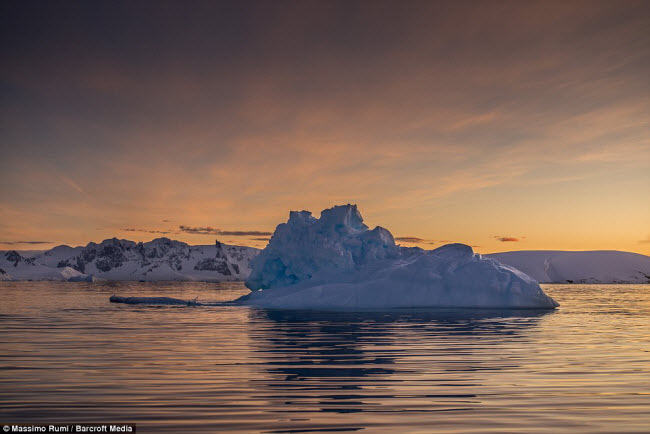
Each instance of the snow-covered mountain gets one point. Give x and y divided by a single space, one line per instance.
165 259
598 266
113 259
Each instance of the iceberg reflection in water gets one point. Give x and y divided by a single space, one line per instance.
354 362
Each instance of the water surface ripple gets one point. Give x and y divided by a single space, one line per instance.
68 355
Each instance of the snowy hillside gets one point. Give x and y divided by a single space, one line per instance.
599 266
113 259
165 259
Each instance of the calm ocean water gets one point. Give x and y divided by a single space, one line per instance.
68 355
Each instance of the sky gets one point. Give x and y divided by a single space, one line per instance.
505 125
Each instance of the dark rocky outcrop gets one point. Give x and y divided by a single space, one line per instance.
13 256
213 264
110 255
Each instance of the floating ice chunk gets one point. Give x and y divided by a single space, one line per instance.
153 300
337 262
82 278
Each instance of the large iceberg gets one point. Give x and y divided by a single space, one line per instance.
338 262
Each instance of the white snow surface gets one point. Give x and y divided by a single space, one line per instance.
338 262
599 266
113 259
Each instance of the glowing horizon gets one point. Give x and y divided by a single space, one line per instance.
502 125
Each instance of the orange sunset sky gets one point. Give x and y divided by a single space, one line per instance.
505 125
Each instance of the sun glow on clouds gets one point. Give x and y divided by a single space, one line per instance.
532 120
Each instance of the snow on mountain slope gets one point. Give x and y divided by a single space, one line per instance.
13 266
165 259
113 259
599 266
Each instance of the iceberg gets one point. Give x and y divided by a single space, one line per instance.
337 262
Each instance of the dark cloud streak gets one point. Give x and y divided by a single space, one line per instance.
416 240
12 243
505 239
213 231
410 239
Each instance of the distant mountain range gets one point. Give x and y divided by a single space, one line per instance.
165 259
113 259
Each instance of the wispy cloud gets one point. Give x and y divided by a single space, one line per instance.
148 231
70 183
12 243
213 231
645 241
